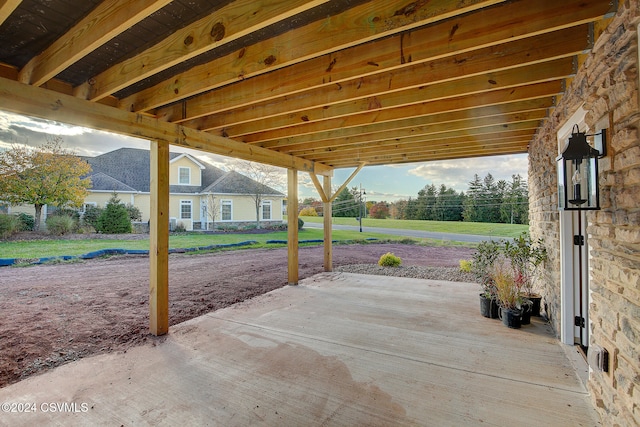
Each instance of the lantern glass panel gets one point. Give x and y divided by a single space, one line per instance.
562 179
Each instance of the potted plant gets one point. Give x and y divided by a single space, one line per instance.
526 258
508 294
481 265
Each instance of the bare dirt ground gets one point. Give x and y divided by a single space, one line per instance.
52 314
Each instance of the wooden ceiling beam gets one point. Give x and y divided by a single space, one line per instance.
106 21
474 85
259 116
500 131
363 23
7 7
38 102
447 120
531 117
420 147
486 119
312 131
451 155
488 27
229 23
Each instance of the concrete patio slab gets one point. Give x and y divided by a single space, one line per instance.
337 350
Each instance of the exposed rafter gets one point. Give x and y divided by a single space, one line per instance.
101 25
38 102
307 84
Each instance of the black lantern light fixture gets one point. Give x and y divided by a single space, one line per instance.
578 172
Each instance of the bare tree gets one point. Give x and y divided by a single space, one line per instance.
211 206
265 179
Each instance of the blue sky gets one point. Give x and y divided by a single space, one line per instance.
388 183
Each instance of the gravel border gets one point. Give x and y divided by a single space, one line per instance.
452 274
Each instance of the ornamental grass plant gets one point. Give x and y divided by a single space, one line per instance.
506 286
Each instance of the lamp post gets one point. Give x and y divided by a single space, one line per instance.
361 195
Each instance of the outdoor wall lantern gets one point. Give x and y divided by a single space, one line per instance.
578 172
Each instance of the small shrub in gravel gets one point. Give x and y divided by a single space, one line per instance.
465 265
389 260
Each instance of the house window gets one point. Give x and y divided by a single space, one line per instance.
266 209
184 176
185 209
225 210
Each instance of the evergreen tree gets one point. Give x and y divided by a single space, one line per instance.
515 206
115 217
474 193
345 205
411 211
448 205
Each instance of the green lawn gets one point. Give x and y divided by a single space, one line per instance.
47 248
479 228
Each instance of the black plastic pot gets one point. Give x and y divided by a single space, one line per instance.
511 317
488 307
525 319
535 308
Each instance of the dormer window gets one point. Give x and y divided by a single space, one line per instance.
184 176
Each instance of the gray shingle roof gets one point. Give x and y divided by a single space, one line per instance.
235 183
101 181
128 169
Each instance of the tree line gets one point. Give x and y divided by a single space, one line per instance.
486 200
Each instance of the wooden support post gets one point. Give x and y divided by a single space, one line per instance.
328 246
292 222
159 239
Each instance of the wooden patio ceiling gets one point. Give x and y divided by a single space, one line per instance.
310 85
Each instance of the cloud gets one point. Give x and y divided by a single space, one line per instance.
458 173
388 183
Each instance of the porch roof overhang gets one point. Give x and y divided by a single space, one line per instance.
306 85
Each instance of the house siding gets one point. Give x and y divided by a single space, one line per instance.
606 86
185 162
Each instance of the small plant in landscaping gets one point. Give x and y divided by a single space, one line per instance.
9 224
59 225
389 260
27 222
91 215
465 265
180 228
308 211
115 217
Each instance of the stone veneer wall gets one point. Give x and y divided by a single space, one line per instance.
607 87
